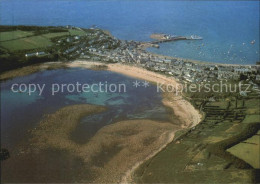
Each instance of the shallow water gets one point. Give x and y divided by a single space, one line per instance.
227 27
21 111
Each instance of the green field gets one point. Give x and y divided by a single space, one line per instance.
26 40
252 118
200 155
248 150
11 35
54 35
17 41
77 32
29 43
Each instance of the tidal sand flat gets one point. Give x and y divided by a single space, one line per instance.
27 70
187 114
80 137
183 111
106 157
113 149
46 156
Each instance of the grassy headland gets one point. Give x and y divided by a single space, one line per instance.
27 45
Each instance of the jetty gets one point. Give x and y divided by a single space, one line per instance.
160 38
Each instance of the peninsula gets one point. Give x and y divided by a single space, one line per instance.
214 127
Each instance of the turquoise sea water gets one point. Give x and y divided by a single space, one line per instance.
21 112
227 27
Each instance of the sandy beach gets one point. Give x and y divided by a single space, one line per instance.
185 112
126 151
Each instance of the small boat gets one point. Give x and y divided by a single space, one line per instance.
195 37
253 42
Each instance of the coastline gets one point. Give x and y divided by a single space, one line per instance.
174 135
186 113
182 109
127 177
198 61
180 106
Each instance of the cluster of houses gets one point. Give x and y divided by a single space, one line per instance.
195 72
96 42
129 52
99 46
37 54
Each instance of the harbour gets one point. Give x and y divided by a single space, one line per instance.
161 38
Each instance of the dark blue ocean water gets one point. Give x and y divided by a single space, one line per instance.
227 27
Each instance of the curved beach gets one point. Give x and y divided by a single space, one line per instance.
186 113
126 144
182 109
